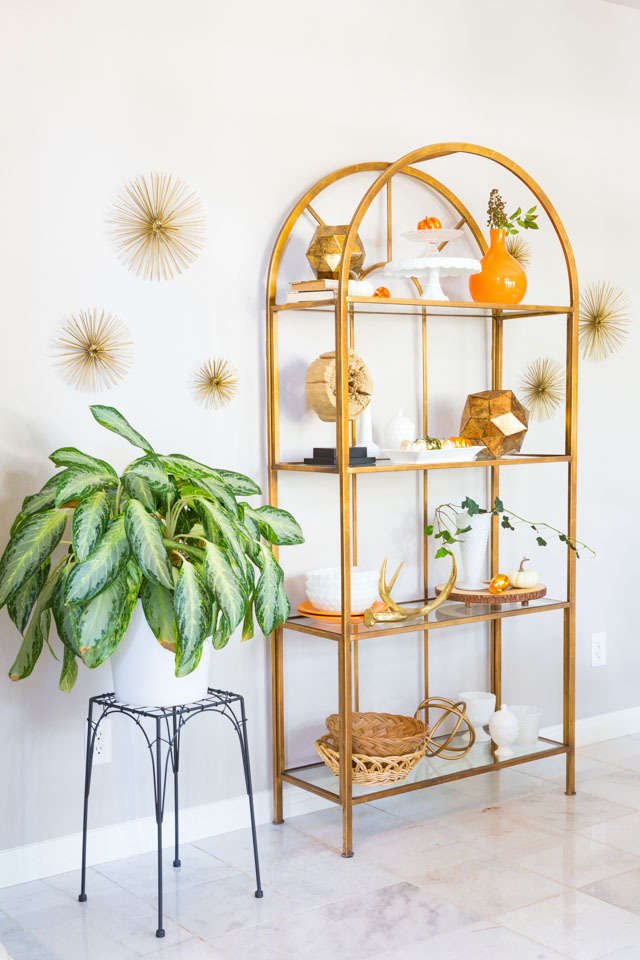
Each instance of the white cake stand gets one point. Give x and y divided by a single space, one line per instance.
429 270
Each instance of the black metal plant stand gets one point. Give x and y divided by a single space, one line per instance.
162 729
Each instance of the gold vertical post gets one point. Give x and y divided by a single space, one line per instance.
425 506
496 625
354 528
389 224
571 431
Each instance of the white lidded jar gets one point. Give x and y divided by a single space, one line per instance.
398 429
503 727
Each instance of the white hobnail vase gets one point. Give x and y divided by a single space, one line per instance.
480 706
144 672
398 429
503 727
364 436
529 723
473 548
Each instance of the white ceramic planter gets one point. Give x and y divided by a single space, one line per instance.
473 548
144 672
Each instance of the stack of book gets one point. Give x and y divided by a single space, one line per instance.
305 290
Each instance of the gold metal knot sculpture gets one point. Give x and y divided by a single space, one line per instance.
394 611
444 747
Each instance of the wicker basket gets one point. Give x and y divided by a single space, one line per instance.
382 734
368 770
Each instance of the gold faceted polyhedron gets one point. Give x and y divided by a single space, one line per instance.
325 251
495 418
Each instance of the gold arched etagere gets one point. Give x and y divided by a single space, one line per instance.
346 634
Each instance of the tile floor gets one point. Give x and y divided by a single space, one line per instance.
503 867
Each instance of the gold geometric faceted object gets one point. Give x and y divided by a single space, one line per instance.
543 384
320 386
215 383
325 251
497 419
604 320
94 350
159 226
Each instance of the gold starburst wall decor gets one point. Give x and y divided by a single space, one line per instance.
216 383
159 226
542 387
604 320
520 249
94 350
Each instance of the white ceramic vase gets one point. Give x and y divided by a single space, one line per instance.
529 723
473 548
480 705
503 727
144 672
399 428
364 437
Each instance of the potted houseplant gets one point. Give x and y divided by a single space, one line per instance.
502 279
164 555
469 524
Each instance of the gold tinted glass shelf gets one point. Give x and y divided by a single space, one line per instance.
449 614
387 466
437 308
430 771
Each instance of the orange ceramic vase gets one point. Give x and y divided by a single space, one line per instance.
502 279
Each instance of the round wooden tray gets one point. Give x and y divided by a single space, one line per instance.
511 595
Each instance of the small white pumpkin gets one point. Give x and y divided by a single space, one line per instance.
523 578
360 288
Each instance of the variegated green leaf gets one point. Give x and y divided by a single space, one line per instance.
239 484
90 520
157 602
138 489
250 528
247 626
184 467
223 633
88 578
212 489
278 526
145 536
75 483
104 648
99 617
21 604
223 584
72 457
28 549
45 499
151 471
113 420
69 673
64 614
267 594
192 607
32 644
216 520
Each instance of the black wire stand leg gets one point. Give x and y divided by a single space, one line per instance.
244 746
159 812
82 897
175 761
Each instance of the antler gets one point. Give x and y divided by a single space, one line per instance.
395 612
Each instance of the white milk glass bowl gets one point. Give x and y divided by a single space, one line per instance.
323 589
529 717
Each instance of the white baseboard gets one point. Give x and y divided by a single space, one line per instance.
37 860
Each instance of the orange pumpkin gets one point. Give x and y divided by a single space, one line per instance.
460 441
499 583
429 223
381 292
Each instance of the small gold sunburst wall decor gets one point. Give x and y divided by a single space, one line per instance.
216 383
542 388
93 350
520 249
605 315
159 226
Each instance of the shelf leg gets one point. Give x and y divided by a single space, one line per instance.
496 661
277 695
345 746
569 722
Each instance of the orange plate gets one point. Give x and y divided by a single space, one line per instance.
307 609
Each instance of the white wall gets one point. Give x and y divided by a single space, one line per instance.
250 104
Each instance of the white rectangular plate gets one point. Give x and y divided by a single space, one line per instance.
448 455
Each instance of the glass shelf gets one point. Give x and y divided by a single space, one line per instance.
429 771
386 466
449 614
438 308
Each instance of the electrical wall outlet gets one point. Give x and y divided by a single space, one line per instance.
102 743
598 649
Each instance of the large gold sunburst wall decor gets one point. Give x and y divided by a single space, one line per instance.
605 314
542 388
94 350
159 226
216 383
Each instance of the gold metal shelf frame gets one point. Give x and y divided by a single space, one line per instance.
312 776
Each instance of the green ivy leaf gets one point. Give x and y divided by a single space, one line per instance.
470 506
443 552
498 505
428 530
541 542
